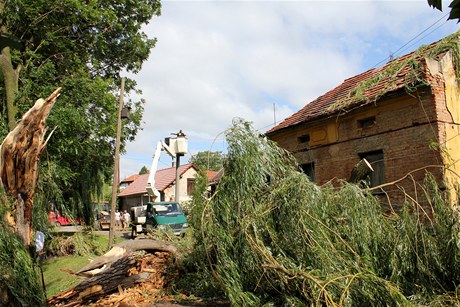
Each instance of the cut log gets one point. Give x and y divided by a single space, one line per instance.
19 155
148 245
360 171
124 273
121 250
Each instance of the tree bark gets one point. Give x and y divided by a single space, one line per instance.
19 155
121 250
125 272
360 171
11 77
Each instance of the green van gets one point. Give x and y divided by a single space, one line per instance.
162 215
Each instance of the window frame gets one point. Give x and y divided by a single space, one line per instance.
190 186
376 159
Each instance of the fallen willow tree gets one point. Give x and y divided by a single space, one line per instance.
270 236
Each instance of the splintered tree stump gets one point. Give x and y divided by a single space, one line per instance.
360 171
19 155
126 270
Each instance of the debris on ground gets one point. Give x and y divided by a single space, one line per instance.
131 274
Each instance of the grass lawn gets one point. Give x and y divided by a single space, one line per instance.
54 269
56 280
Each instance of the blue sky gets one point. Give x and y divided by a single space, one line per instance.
262 60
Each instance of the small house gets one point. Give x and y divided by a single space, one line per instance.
135 194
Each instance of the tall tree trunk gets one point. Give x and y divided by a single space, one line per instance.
19 156
11 77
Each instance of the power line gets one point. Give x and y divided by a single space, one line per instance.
424 36
414 38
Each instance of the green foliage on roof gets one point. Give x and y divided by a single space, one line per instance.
414 77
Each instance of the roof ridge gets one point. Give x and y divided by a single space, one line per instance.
365 87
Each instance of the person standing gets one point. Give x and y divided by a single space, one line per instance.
126 218
117 219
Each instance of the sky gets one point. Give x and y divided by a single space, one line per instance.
262 61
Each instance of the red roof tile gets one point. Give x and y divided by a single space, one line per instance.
381 81
130 178
216 178
210 175
163 179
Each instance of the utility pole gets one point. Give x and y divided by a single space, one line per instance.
177 178
116 166
181 148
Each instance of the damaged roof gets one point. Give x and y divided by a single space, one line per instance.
366 88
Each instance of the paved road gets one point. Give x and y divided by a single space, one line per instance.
77 228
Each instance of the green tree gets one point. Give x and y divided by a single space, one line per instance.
144 170
454 7
81 46
208 160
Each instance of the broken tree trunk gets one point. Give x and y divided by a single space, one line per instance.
121 269
19 155
360 171
121 250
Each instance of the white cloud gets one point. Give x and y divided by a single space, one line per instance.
217 60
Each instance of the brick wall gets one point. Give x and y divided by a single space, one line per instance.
405 126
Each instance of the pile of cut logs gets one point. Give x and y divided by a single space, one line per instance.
147 263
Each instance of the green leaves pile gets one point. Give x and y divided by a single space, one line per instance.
270 236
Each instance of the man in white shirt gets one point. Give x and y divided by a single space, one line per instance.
126 218
117 219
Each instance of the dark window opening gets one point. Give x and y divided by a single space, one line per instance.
377 177
309 170
366 122
304 138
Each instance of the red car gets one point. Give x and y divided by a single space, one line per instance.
56 219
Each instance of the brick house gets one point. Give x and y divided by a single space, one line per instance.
135 193
403 117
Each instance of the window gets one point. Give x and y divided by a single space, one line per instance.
303 139
309 170
190 186
366 122
375 158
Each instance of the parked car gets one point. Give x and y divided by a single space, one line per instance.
56 219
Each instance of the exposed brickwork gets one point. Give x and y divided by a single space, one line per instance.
404 128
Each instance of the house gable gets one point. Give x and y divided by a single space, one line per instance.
332 133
